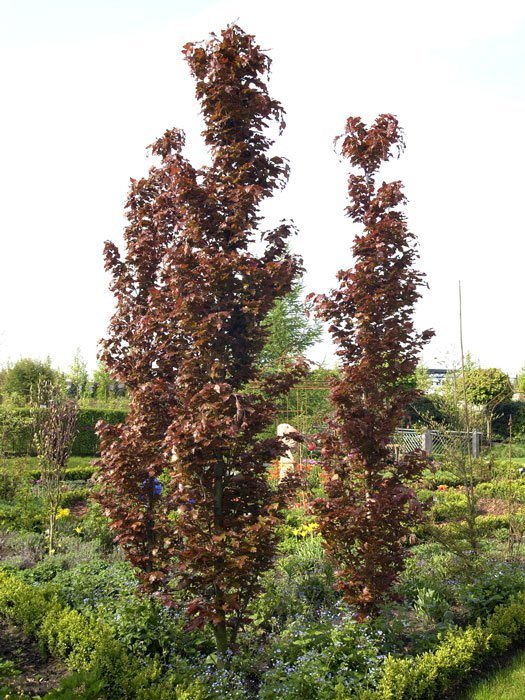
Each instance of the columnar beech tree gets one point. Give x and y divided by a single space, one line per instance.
183 479
366 516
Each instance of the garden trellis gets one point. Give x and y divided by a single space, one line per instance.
407 440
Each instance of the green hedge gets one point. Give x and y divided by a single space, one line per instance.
86 442
88 645
16 430
70 498
438 674
503 489
71 474
486 526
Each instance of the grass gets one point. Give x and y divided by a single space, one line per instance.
508 683
501 450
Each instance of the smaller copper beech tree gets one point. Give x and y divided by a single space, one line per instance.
368 509
183 479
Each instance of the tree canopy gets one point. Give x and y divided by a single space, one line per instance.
22 378
290 332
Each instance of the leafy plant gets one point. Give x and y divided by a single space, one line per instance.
10 484
322 661
432 605
83 684
300 584
490 588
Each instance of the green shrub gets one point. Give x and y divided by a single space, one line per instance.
440 476
488 525
70 498
10 484
28 514
490 587
23 604
507 625
449 505
179 683
89 645
438 674
503 488
433 675
79 473
81 640
330 658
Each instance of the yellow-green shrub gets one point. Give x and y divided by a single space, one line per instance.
25 605
80 640
433 674
87 644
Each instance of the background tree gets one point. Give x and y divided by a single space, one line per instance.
290 332
105 387
77 376
369 506
55 422
22 378
486 389
422 379
186 473
520 381
484 386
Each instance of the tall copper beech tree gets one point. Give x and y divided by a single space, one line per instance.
369 507
183 479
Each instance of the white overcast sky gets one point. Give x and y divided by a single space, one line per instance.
86 85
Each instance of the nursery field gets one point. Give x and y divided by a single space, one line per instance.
74 626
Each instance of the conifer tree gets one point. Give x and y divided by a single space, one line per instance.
290 331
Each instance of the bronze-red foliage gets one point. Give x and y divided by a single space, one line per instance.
192 293
369 505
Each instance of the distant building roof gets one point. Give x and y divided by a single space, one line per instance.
438 376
